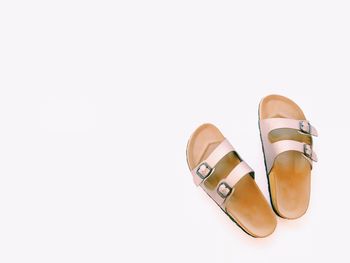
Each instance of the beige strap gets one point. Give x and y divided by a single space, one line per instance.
303 126
226 186
206 167
272 150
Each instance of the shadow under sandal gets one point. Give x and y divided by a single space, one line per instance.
220 172
286 138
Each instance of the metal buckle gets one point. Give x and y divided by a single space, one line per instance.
305 127
308 151
224 190
204 170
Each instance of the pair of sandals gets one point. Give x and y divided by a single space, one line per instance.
286 138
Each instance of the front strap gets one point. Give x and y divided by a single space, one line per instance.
303 126
225 187
206 167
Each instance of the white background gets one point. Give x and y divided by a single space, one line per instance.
98 99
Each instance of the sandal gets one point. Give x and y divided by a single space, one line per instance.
286 138
229 181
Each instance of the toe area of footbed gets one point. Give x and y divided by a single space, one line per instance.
201 143
249 208
277 106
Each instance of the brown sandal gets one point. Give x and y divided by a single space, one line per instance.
229 181
286 138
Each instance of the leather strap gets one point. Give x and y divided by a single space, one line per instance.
303 126
272 150
226 188
206 167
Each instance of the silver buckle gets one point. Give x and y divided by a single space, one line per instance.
204 170
305 127
224 190
308 151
